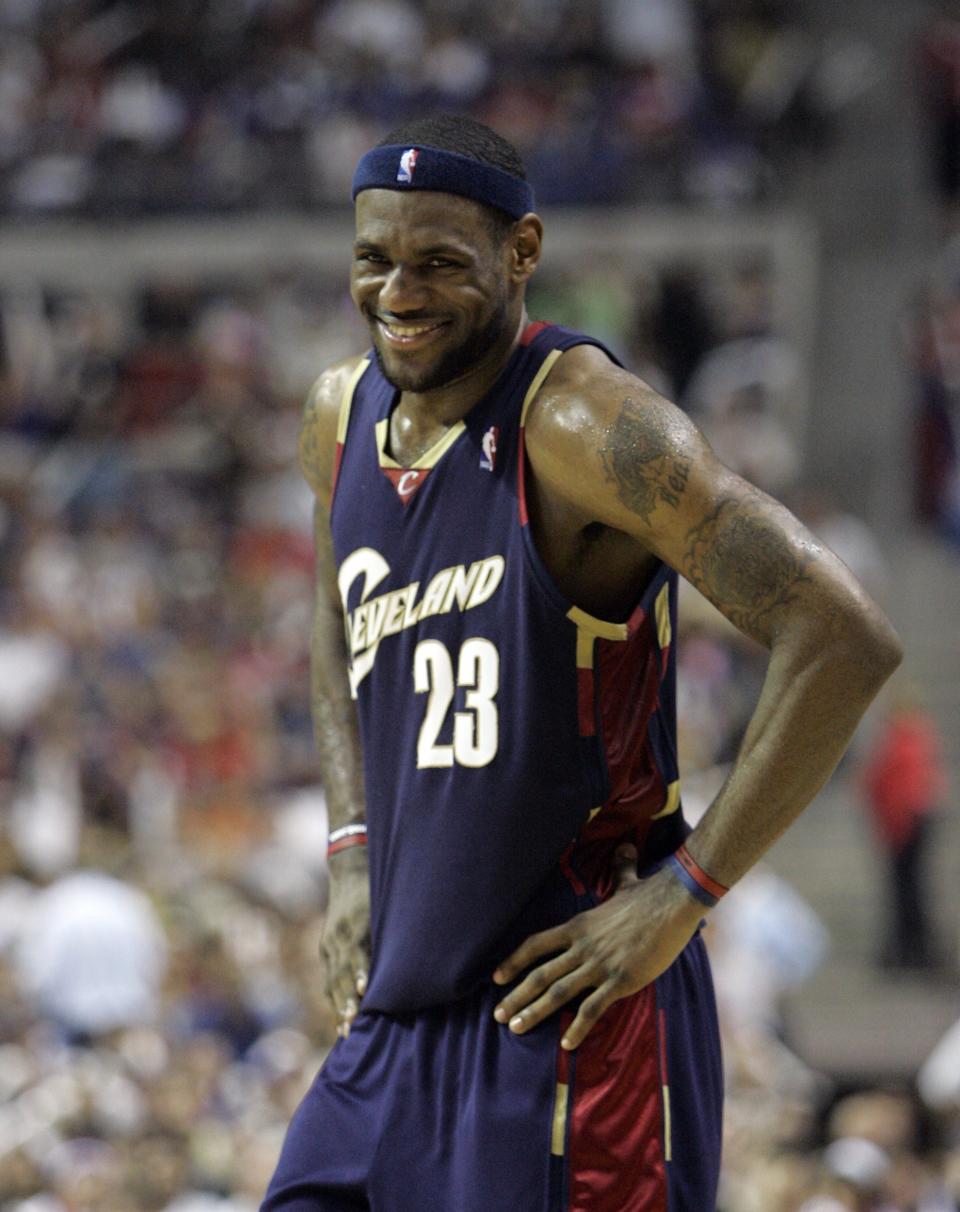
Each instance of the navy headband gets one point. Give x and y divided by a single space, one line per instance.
398 166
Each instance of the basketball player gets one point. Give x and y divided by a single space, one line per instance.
512 936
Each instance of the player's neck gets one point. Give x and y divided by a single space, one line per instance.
450 403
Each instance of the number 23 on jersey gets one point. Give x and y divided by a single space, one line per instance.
476 727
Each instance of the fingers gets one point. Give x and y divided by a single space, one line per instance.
548 942
346 981
553 998
345 1018
534 984
343 997
595 950
590 1010
536 946
548 988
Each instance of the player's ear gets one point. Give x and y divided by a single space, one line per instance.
526 241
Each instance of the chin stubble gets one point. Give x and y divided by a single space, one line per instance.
455 363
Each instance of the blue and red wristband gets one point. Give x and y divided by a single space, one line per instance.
688 871
345 837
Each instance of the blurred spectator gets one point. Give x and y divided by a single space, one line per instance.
92 955
939 78
744 392
939 1078
904 783
682 326
934 350
768 940
854 1174
875 1155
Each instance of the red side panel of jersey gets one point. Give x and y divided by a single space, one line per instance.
628 676
338 459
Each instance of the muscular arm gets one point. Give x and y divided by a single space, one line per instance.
346 941
651 474
643 469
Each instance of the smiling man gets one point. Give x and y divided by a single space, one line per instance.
512 940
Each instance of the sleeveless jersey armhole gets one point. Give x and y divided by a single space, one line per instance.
589 626
343 422
537 382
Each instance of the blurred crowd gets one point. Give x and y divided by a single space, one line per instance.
163 826
114 107
161 1019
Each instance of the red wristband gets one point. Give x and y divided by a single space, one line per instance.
345 837
709 885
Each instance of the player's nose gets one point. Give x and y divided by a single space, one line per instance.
402 291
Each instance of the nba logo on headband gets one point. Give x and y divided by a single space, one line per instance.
408 162
395 166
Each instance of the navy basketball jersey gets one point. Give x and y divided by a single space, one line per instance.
510 739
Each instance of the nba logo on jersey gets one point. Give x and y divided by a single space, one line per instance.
489 447
408 162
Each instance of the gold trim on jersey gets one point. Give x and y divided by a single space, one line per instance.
596 627
346 402
667 1125
537 383
672 802
429 459
558 1135
584 648
662 613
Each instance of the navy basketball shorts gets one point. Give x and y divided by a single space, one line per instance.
445 1110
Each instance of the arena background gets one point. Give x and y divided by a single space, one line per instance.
754 202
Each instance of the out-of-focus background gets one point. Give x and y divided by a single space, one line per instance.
755 203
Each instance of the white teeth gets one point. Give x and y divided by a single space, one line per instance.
408 330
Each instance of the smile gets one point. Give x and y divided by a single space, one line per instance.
409 334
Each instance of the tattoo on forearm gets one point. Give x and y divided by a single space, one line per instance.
745 564
645 474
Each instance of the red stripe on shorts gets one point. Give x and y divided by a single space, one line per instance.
615 1142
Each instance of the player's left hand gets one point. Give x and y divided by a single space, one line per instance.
615 949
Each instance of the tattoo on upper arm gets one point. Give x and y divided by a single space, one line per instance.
645 474
745 564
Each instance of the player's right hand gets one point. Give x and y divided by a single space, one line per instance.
345 944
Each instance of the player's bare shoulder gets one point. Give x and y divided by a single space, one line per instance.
318 430
599 433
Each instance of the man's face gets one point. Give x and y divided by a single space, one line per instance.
431 280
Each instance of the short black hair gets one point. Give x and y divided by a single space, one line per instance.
465 135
